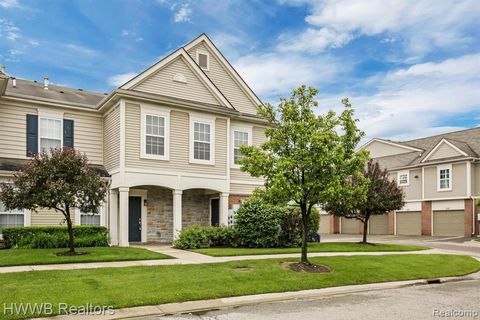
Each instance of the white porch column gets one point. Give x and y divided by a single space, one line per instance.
177 213
223 209
123 217
113 217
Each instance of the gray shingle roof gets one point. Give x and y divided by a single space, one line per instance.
33 89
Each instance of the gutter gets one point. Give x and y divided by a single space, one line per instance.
424 164
49 102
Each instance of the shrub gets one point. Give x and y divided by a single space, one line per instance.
54 237
291 235
258 223
193 237
222 236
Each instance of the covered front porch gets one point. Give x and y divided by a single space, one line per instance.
156 214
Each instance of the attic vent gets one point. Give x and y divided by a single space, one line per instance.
203 60
178 77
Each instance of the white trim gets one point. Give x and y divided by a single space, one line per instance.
389 143
438 145
469 179
175 173
240 128
49 116
450 177
403 172
395 223
101 212
448 205
253 183
122 134
423 182
197 57
152 110
26 216
227 66
144 196
205 120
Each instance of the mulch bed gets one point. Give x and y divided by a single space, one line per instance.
304 267
68 253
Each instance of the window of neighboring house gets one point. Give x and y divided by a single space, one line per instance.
155 134
89 219
203 60
13 218
444 174
241 136
403 178
50 134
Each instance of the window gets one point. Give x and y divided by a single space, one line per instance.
203 60
202 140
14 218
403 178
155 131
241 136
50 134
89 219
444 174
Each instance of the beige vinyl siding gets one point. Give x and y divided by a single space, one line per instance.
13 128
162 83
226 83
444 151
111 136
414 190
476 179
381 149
258 137
179 145
459 182
243 189
46 217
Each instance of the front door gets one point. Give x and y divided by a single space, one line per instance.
135 219
215 212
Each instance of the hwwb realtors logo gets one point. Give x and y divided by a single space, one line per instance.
49 309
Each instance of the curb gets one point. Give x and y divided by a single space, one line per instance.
231 302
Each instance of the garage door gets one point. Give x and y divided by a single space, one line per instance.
350 226
409 223
324 224
378 224
449 223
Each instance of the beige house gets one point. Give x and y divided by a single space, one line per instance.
167 141
440 176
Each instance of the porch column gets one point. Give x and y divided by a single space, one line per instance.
113 217
123 217
224 209
177 213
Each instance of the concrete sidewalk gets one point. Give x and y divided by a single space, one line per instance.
188 257
222 303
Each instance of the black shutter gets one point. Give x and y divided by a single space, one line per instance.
32 135
68 133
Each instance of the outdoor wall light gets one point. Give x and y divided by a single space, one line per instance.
145 202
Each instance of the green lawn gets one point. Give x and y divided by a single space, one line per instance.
19 257
135 286
312 247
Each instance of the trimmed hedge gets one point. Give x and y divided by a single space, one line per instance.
54 237
197 237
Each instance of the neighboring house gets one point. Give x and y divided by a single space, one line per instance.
440 176
167 141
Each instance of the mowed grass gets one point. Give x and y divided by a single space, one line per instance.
135 286
312 247
19 257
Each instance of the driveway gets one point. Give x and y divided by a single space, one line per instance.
456 245
417 302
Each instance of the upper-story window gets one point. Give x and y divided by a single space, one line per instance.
50 134
241 136
202 140
444 175
155 132
403 178
203 59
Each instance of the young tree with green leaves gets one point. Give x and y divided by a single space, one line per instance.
383 195
307 158
60 180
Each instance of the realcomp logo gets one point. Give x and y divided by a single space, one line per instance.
49 309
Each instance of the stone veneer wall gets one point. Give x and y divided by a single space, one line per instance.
196 207
160 215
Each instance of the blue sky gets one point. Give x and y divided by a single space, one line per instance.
411 68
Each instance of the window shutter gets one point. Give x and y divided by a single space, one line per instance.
68 133
32 135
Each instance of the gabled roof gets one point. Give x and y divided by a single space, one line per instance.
460 148
390 142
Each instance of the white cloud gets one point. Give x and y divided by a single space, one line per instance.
183 14
120 79
80 49
315 40
9 30
7 4
410 102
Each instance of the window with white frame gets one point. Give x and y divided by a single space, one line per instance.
92 219
202 138
12 218
155 131
50 134
403 178
240 138
444 175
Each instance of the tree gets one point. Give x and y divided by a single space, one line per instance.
383 195
307 159
60 180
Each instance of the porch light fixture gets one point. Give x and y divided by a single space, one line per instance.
145 202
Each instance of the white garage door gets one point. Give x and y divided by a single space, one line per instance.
409 223
449 223
350 226
324 224
378 224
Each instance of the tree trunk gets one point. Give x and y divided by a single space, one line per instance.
365 230
71 241
304 258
